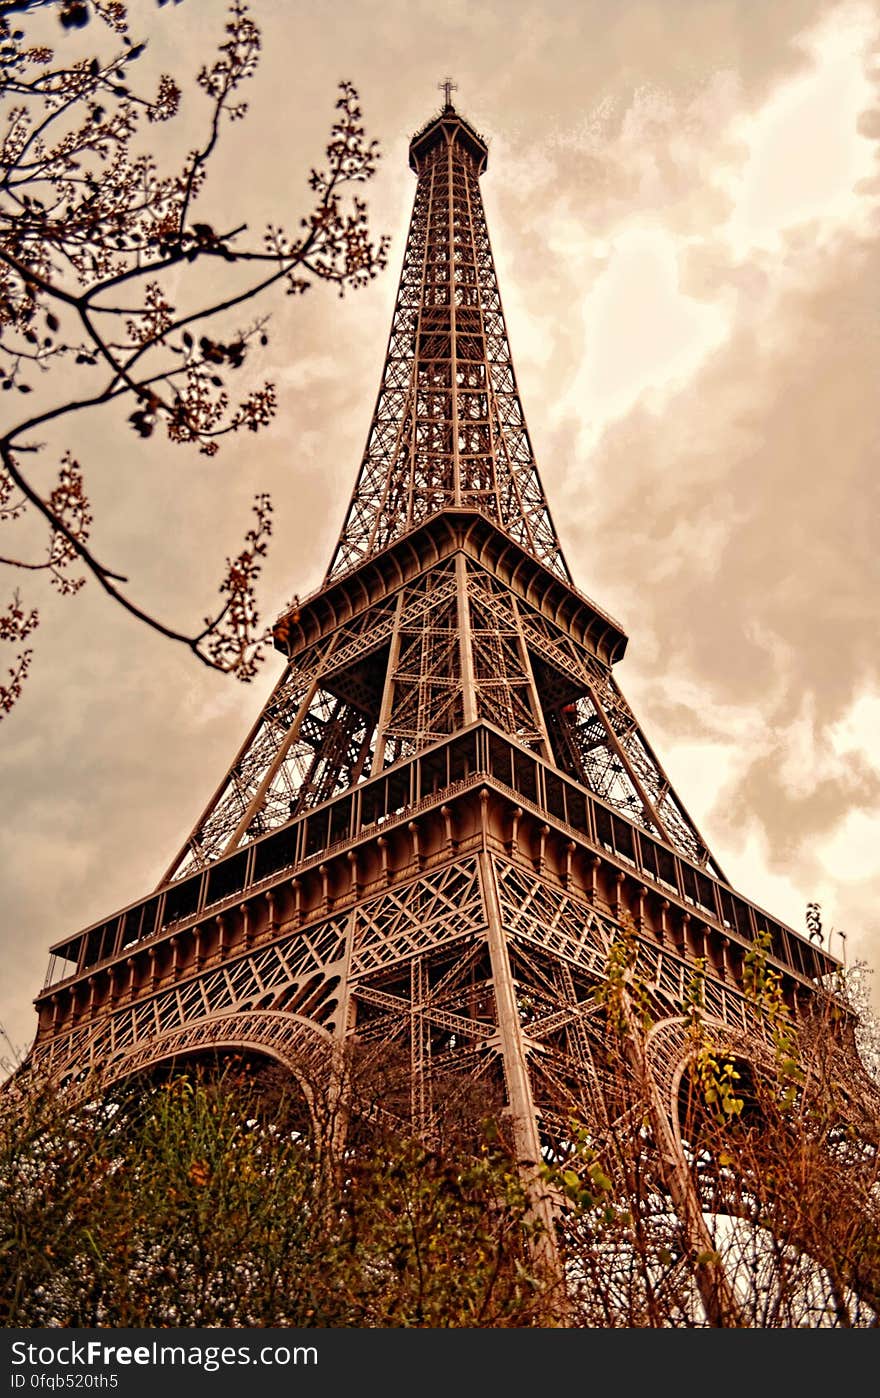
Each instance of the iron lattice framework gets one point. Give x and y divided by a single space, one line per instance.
446 811
448 429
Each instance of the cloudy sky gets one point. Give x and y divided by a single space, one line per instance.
683 200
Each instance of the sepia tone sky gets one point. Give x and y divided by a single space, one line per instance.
684 203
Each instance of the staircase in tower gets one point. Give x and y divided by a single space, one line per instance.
446 811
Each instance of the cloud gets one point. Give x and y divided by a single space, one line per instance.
642 334
809 148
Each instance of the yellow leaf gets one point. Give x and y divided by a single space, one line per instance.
199 1172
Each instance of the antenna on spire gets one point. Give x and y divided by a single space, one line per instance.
448 87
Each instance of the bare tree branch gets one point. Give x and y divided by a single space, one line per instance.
91 236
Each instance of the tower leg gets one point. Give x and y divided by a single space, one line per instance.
526 1136
713 1283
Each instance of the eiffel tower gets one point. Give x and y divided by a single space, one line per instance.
446 811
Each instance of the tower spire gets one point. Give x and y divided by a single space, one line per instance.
448 87
448 429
